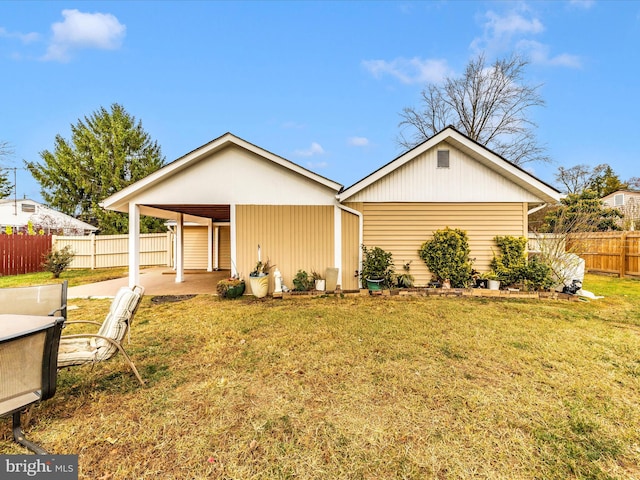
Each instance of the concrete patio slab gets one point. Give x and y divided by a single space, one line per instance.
156 281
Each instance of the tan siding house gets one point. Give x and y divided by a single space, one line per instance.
242 196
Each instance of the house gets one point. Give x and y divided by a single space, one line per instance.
18 214
242 196
628 202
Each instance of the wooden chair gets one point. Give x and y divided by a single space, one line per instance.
84 348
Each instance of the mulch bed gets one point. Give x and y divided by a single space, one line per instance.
170 298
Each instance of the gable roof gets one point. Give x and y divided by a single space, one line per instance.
13 213
193 157
470 147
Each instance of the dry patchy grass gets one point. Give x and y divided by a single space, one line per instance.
359 388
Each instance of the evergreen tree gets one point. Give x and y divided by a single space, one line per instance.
108 151
605 181
6 187
581 212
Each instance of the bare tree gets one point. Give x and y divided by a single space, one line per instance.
488 103
574 179
6 186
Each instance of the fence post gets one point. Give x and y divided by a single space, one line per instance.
623 254
92 250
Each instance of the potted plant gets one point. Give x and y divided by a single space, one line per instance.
259 279
377 268
480 279
231 287
492 281
405 280
318 281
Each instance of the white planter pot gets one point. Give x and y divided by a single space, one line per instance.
259 286
494 284
320 284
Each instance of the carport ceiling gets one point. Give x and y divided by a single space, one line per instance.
219 213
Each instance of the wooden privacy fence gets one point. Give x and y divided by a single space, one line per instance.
23 253
104 251
608 252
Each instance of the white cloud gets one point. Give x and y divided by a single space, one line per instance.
84 30
584 4
539 54
499 30
23 37
515 29
314 149
358 141
317 165
408 71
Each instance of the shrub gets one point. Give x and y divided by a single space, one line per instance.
377 264
447 256
405 280
302 282
510 267
57 261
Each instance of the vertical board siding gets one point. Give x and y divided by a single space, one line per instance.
402 228
105 251
350 247
224 250
21 254
292 237
196 244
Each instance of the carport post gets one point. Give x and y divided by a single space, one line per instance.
180 248
210 231
134 245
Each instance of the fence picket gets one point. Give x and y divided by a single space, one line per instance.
21 254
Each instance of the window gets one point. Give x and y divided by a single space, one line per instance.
26 207
618 200
443 158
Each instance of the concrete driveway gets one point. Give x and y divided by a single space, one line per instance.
156 281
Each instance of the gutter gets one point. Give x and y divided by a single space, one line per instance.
360 233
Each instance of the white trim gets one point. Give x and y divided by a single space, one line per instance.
232 235
360 235
134 245
210 242
122 197
216 247
337 241
180 248
465 144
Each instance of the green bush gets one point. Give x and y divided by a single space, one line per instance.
539 275
512 266
447 256
377 264
302 282
57 261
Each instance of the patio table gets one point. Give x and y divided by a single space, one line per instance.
28 364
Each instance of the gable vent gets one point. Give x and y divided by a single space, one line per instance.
618 200
443 158
26 207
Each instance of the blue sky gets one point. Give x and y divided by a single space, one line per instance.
319 83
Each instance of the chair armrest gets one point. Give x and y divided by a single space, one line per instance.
82 321
60 309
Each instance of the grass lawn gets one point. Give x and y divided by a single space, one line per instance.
359 388
74 277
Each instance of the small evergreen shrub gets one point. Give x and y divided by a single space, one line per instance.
512 266
447 256
57 261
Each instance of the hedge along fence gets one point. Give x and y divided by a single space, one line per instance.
104 251
21 254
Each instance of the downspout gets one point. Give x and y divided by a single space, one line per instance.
360 233
538 208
